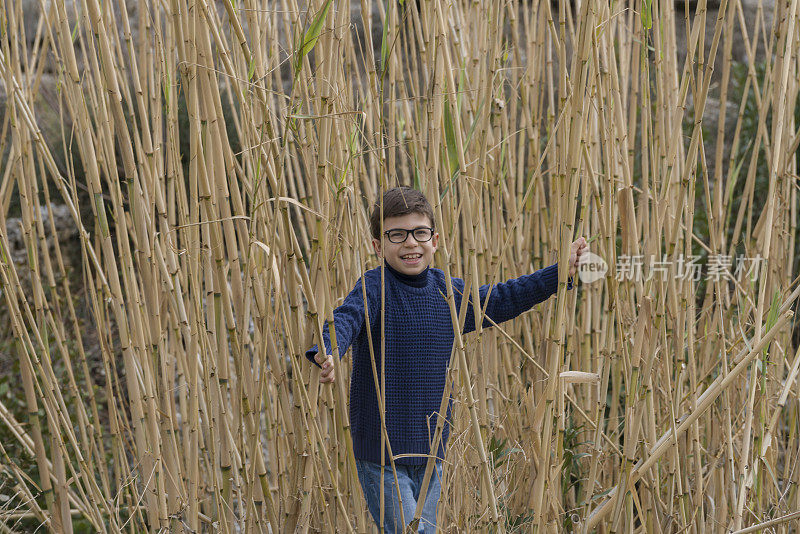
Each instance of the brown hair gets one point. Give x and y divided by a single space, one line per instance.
397 202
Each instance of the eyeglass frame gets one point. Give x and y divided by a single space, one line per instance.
409 232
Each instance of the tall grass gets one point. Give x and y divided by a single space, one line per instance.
652 403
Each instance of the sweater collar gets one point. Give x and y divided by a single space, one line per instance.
413 280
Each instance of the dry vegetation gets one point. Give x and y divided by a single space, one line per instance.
220 162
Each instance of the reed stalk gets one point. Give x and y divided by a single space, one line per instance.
217 163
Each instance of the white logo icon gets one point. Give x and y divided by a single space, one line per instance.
591 268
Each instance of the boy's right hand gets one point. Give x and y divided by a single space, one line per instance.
326 362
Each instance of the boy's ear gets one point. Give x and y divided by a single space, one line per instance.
376 245
435 241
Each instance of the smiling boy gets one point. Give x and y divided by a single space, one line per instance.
418 339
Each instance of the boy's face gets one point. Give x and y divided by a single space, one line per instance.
411 256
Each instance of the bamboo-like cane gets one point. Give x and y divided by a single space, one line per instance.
218 162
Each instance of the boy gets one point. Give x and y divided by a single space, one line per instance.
418 338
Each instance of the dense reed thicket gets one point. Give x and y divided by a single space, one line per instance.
219 162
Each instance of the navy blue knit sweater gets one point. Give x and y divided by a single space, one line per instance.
419 339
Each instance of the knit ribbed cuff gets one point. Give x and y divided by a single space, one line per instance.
550 276
310 353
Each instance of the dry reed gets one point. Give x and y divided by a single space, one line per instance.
220 162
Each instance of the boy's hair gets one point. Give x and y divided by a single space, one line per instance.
397 202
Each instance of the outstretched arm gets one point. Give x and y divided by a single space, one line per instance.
509 299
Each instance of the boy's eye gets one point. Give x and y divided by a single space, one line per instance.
396 235
422 234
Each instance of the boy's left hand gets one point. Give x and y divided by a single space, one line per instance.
576 250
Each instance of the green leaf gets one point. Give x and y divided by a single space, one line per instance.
772 314
252 69
385 41
353 146
450 139
731 186
601 495
417 184
312 35
354 140
100 209
647 14
472 127
462 78
75 33
449 185
167 84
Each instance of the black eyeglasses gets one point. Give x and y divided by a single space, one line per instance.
399 235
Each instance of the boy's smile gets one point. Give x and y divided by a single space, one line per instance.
411 256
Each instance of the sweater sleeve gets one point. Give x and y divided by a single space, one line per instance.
509 299
348 319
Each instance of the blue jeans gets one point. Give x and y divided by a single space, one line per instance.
409 478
